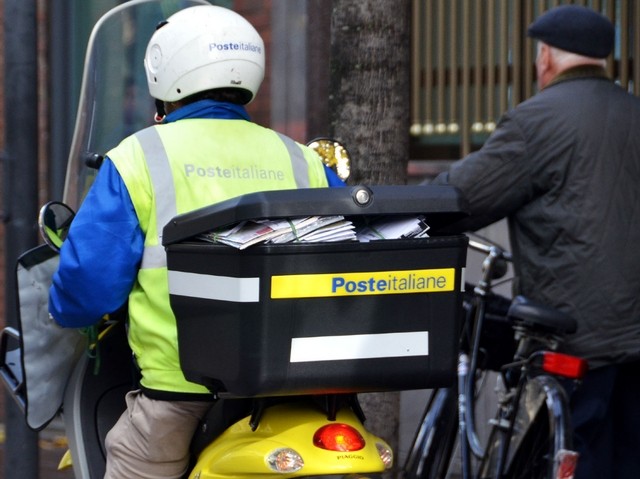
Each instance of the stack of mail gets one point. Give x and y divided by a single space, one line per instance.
303 229
315 229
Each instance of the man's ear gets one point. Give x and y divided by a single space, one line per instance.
545 65
545 56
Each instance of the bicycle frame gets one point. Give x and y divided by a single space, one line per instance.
468 365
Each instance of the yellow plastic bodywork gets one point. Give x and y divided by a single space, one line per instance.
240 452
65 461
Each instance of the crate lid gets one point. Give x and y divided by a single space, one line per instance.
441 204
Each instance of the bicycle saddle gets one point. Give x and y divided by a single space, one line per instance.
540 317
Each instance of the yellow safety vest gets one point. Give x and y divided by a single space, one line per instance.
178 167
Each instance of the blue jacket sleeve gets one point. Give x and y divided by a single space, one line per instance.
333 179
99 259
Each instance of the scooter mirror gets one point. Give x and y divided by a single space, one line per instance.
334 155
54 222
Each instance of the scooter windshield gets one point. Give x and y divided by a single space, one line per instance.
114 100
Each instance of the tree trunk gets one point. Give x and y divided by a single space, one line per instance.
370 87
369 112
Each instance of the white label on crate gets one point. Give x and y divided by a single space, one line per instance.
208 286
359 346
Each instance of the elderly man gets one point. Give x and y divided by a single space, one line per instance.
564 168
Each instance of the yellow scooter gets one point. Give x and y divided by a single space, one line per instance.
306 428
281 411
287 436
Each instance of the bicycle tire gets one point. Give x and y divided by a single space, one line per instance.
433 445
541 430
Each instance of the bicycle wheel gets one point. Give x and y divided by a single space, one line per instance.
540 431
432 447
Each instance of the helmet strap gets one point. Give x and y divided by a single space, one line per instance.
160 113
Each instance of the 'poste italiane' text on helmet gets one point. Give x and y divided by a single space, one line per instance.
204 48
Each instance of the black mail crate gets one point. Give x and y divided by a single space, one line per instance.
323 317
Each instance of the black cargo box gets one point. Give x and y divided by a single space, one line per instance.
321 317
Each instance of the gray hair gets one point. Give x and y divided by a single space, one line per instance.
567 59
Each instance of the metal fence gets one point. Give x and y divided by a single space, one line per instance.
472 61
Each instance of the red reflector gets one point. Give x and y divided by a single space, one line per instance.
338 437
566 462
563 365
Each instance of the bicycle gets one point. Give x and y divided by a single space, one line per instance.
530 434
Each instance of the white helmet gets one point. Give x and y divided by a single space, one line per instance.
201 48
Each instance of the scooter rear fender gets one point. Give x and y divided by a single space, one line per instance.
240 452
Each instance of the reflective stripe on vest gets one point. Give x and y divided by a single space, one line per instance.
298 162
162 182
164 190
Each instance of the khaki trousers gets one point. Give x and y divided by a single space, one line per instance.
151 439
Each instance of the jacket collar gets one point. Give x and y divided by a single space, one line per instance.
208 109
581 71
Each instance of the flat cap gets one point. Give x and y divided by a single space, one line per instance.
575 29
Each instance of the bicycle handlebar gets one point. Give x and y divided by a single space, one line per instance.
490 249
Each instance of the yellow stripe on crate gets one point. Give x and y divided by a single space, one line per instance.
362 284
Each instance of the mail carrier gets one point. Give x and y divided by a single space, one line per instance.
294 318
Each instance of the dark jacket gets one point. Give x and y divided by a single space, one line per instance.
564 168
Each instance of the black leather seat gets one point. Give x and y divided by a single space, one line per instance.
539 317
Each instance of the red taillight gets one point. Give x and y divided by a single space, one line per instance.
563 365
338 437
566 462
